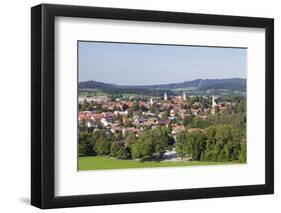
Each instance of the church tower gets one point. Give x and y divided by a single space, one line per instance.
184 96
165 96
151 101
214 104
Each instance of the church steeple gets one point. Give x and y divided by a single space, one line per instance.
214 104
165 96
184 96
151 101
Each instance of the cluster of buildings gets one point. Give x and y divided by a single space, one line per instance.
126 115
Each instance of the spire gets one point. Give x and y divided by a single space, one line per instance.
184 96
151 101
165 96
214 101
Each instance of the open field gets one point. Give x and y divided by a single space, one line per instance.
101 163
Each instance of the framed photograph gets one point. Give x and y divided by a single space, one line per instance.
140 106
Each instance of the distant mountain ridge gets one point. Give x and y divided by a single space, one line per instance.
238 84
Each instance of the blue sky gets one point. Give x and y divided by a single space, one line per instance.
144 64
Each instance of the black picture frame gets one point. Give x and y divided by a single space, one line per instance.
43 102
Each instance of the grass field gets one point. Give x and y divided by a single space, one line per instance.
101 163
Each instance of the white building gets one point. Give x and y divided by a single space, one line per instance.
151 101
214 104
105 122
165 96
184 96
172 113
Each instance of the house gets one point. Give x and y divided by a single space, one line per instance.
171 118
203 117
178 100
144 104
162 114
172 113
115 129
133 130
177 129
102 99
194 111
222 107
197 104
123 112
85 116
139 121
177 107
148 123
148 113
107 114
120 112
92 124
106 121
162 122
194 130
182 113
97 117
82 100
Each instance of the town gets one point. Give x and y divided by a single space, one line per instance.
127 121
134 114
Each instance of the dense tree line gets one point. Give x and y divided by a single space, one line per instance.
222 136
220 143
151 145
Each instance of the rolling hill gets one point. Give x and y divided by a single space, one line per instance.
231 84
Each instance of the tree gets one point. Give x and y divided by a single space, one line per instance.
97 135
210 134
151 145
196 144
135 106
130 113
217 109
223 143
143 108
167 131
118 136
143 149
243 155
182 145
135 150
125 107
229 109
102 142
123 153
241 107
198 123
103 146
119 151
85 144
191 143
211 152
160 141
114 149
130 139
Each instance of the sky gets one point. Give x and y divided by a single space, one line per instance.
146 64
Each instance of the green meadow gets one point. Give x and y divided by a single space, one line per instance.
102 163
